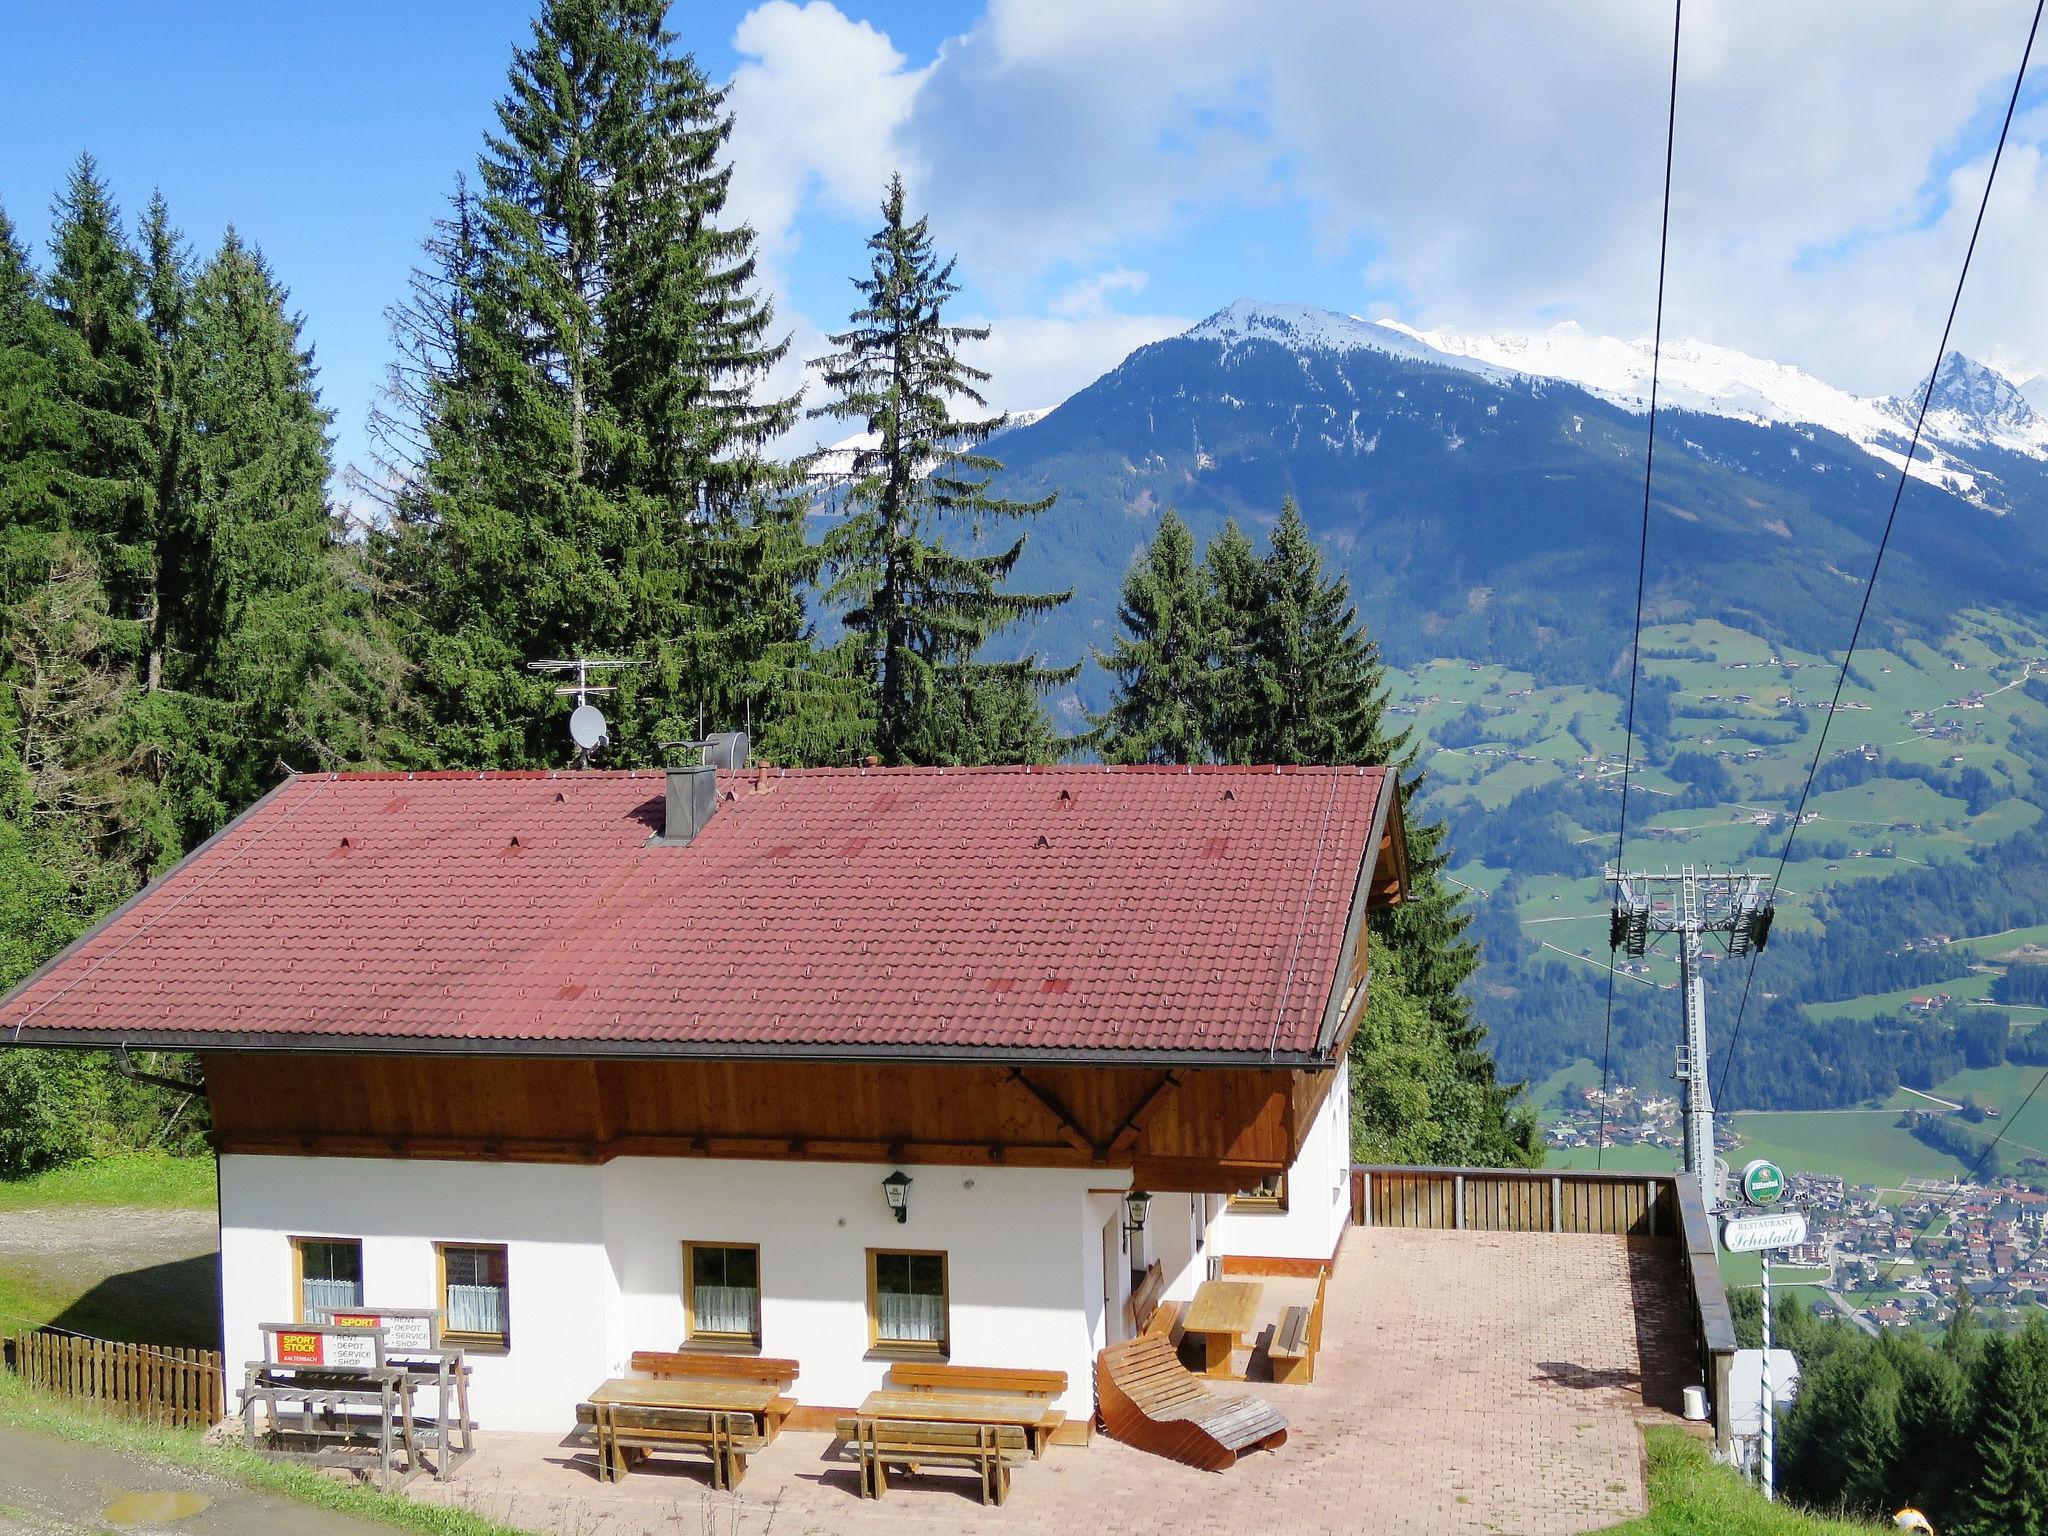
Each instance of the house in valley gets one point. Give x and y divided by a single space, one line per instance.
846 1066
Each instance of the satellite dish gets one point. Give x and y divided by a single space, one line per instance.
587 728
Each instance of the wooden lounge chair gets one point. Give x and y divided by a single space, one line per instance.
1148 1399
727 1438
988 1449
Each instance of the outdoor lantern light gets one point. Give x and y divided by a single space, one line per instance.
896 1190
1137 1206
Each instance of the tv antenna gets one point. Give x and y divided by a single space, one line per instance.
587 726
1736 909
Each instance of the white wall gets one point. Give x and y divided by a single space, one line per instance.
1318 1193
549 1218
595 1260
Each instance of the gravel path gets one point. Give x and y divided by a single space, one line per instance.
126 1272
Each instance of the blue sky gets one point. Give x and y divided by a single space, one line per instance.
1110 173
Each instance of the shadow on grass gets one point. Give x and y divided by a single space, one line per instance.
176 1304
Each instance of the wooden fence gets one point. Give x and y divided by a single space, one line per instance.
177 1388
1515 1200
1571 1200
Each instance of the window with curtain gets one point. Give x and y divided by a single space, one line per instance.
1269 1194
476 1292
330 1274
907 1307
722 1284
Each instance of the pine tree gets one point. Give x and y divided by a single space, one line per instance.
278 636
1316 681
2008 1495
1233 583
588 473
1163 661
919 609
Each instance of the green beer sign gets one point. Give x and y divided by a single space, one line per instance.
1763 1183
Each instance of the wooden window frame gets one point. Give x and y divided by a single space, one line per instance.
880 1348
476 1343
724 1343
1274 1204
298 1247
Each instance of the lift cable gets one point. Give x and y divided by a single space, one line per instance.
1898 493
1635 646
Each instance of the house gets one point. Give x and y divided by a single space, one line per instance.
844 1065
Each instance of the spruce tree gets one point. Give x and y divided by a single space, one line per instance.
1163 661
1233 592
917 608
2008 1495
591 475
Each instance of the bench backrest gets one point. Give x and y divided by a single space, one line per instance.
668 1364
920 1376
924 1434
1145 1298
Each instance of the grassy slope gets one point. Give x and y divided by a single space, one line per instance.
159 1183
1692 1496
22 1408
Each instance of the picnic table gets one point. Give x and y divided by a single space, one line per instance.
1008 1408
1219 1317
723 1419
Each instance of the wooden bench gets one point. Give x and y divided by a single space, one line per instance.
1150 1400
694 1365
983 1380
989 1450
1288 1350
1165 1323
728 1438
1145 1297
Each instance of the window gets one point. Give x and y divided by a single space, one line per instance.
722 1292
329 1273
476 1293
1269 1194
907 1301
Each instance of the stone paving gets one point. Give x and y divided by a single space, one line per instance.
1469 1382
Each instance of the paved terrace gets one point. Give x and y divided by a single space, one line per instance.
1469 1382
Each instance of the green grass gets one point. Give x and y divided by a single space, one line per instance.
161 1183
23 1408
1693 1495
1862 1146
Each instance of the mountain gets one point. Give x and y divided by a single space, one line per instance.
1484 493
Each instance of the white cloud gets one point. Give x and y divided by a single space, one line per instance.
1501 164
1039 360
1091 295
817 108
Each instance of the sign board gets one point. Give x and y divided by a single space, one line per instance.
404 1332
1746 1387
313 1347
1755 1234
1763 1183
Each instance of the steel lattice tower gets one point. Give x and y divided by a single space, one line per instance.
1737 910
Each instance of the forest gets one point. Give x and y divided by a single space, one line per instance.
578 453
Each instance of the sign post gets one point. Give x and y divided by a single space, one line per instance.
1763 1184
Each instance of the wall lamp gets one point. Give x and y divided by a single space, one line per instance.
896 1190
1137 1206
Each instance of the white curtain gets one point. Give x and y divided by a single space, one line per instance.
724 1308
476 1309
327 1295
911 1319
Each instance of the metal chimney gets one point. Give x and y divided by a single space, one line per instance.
693 790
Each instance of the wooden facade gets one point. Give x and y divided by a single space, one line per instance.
1201 1130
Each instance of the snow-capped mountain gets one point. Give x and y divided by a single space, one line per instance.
1483 492
1973 404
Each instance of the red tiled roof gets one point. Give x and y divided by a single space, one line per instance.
1095 911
